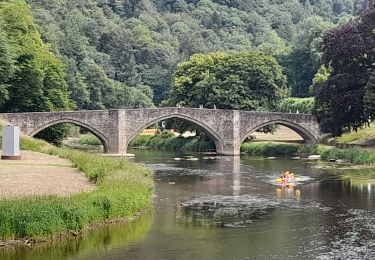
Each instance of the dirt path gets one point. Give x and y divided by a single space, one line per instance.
40 174
282 134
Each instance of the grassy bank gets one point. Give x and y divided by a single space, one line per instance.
270 149
328 153
123 189
354 155
274 149
362 133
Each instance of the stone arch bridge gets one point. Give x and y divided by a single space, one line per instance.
117 128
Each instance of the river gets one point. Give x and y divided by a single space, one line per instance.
209 207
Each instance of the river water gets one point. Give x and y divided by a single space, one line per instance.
209 207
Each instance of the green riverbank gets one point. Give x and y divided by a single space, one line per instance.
328 153
123 189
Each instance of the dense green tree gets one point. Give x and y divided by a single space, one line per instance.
232 80
140 42
38 82
274 45
38 79
350 51
303 62
319 79
6 68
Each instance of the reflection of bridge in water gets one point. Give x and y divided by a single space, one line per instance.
116 128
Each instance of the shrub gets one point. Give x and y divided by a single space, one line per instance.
269 149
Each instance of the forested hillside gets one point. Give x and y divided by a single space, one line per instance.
120 53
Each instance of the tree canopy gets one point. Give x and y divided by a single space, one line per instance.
350 52
34 78
230 80
140 43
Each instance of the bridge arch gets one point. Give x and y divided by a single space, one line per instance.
211 133
98 134
302 131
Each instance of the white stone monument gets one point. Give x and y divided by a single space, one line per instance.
11 143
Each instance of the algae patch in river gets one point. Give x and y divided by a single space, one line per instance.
237 211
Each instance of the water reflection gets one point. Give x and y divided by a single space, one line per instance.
236 176
95 242
288 193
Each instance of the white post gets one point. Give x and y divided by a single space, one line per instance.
11 143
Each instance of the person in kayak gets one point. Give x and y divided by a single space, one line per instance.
287 177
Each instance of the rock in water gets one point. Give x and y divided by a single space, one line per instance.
315 157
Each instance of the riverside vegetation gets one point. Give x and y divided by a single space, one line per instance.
123 189
170 142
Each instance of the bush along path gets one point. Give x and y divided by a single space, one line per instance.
123 189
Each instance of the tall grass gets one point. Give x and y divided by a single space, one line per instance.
123 189
269 149
354 155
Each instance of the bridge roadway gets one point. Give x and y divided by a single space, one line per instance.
116 128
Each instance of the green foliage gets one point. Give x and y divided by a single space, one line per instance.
37 83
302 105
89 139
303 62
274 45
54 134
269 149
140 42
354 155
32 77
6 67
169 142
231 80
349 51
319 79
123 189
